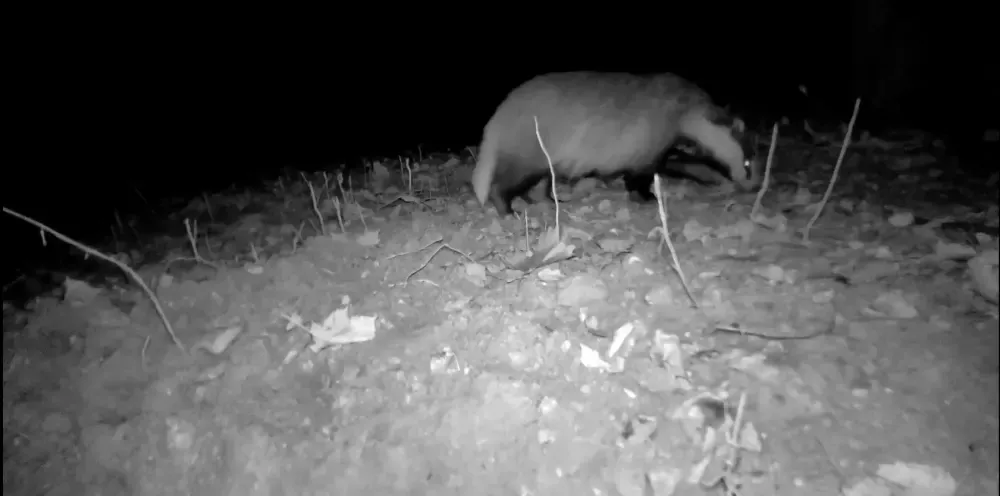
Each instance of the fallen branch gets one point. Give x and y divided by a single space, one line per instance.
836 173
12 283
429 258
661 203
128 270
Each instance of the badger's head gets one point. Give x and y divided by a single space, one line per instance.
747 140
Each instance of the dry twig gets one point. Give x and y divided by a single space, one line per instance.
552 171
429 258
767 173
340 215
192 235
315 204
661 203
836 173
731 478
128 270
208 207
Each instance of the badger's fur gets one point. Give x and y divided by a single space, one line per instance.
603 124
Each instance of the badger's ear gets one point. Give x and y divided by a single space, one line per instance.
739 126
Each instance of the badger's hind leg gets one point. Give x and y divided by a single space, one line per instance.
640 185
541 191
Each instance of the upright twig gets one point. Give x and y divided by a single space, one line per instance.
836 173
661 204
192 235
552 171
326 184
734 438
340 215
121 225
767 173
361 214
297 240
315 205
141 197
128 270
114 236
208 207
340 184
409 173
527 235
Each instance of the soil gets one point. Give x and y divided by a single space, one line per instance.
378 341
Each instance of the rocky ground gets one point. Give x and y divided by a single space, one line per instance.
384 334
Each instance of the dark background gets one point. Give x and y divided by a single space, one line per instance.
178 102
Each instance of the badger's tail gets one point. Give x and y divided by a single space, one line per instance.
486 164
701 124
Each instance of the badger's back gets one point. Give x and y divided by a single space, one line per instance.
592 120
602 123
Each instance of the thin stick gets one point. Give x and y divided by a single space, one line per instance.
767 173
326 184
661 203
552 171
731 478
131 225
253 254
298 236
418 250
340 184
836 173
409 176
208 207
118 220
340 216
128 270
361 213
527 235
11 283
114 235
192 234
315 204
143 198
142 355
431 257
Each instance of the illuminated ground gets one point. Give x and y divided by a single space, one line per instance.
485 380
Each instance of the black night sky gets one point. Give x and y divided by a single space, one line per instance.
178 106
